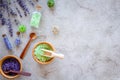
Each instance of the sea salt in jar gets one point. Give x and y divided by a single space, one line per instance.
36 17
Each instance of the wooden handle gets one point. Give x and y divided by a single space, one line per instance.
25 49
52 54
22 73
58 55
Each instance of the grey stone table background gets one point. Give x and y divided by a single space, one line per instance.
89 38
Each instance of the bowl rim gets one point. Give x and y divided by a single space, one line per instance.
3 59
34 57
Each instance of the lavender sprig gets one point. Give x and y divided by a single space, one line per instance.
30 1
3 21
10 28
12 12
23 6
1 15
19 12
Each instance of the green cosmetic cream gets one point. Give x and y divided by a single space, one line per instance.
39 53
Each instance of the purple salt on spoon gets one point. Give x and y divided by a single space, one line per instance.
18 72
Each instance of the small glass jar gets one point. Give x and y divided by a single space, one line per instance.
36 17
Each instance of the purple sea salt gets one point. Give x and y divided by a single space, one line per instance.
11 64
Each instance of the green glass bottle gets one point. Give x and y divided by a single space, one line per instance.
36 17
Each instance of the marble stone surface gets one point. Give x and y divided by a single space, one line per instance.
89 38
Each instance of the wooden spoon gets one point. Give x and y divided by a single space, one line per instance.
49 53
32 37
18 72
